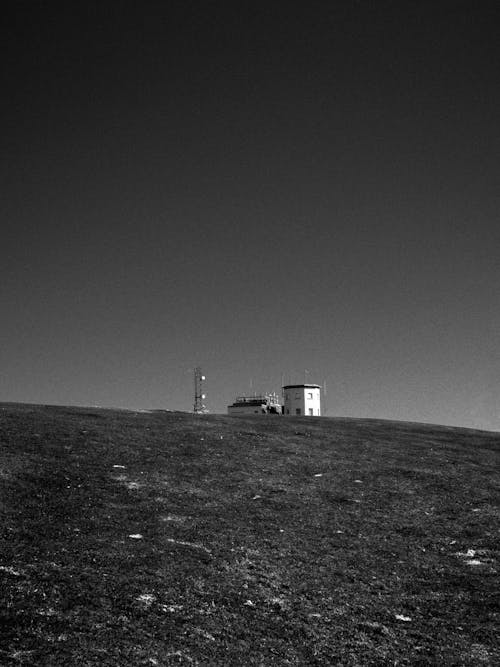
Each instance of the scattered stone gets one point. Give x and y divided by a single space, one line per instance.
279 602
171 608
146 599
400 617
48 611
375 627
204 634
19 655
470 553
10 570
175 518
479 653
193 545
179 654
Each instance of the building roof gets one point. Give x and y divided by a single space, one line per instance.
301 386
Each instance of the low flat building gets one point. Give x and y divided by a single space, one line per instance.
265 404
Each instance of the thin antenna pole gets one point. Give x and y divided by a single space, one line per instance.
199 407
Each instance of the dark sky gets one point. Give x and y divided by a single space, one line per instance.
257 189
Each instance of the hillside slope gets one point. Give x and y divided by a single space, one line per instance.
136 538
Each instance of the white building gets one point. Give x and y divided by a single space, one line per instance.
302 399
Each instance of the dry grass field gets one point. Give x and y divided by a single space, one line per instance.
163 538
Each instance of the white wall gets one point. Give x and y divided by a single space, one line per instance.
303 400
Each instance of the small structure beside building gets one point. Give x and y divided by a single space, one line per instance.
264 404
302 399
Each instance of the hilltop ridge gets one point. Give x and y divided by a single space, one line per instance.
143 538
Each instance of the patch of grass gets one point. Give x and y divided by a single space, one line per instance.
132 538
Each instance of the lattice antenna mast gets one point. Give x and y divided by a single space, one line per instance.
199 407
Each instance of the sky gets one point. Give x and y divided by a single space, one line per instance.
267 191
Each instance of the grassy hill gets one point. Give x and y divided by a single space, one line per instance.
157 538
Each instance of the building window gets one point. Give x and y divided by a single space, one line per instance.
297 395
310 395
287 411
297 411
311 412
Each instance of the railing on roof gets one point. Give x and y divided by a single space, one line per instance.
250 399
263 398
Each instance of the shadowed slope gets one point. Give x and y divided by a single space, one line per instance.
135 538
